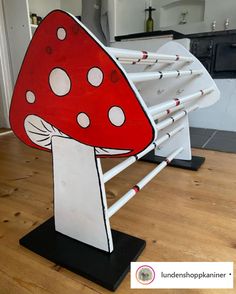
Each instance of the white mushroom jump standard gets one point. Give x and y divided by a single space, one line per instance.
80 104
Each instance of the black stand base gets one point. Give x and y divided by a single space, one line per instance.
193 164
106 269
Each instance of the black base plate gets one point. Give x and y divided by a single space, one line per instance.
193 164
106 269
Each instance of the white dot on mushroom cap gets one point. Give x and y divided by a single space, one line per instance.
83 120
30 97
95 76
116 116
61 34
59 81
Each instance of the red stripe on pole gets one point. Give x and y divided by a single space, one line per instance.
136 189
145 55
177 102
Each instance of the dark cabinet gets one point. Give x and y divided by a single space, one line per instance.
217 52
225 59
202 48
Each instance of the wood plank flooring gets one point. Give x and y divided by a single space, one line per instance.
183 216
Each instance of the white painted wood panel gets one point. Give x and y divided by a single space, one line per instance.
79 195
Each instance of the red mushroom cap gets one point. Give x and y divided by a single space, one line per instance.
69 85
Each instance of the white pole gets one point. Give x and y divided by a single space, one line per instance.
148 76
124 164
6 133
166 112
134 54
130 194
170 120
143 61
178 101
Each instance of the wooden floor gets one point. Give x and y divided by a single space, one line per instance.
183 216
3 130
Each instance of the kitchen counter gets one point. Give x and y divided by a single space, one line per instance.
144 35
175 35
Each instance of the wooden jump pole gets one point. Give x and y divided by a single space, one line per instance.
170 120
133 191
143 61
148 76
5 133
126 163
178 101
140 55
166 112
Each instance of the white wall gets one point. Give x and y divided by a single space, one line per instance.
127 17
1 114
217 10
43 7
6 86
18 31
91 18
4 102
222 115
72 6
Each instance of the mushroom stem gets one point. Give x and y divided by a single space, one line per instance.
79 194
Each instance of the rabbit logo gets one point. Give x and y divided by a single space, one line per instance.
145 274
